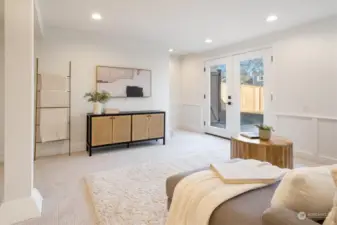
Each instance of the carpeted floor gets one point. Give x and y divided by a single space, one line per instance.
136 195
60 179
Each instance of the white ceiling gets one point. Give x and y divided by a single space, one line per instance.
183 24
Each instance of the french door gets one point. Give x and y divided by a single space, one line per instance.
218 110
238 93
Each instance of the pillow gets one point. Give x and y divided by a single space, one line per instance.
332 216
309 190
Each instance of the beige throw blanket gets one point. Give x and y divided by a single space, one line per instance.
198 195
53 120
53 82
53 124
53 99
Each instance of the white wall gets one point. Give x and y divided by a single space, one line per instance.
2 87
86 51
304 86
192 91
175 92
38 33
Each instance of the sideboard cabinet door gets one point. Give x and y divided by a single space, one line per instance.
140 127
121 129
156 126
101 130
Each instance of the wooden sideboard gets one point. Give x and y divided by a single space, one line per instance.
124 128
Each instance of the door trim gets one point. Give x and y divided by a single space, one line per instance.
226 133
268 116
248 50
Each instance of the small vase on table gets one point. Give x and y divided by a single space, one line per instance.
98 99
265 132
98 108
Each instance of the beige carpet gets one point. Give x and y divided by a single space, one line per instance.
60 178
136 195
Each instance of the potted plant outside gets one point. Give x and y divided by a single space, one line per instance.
98 99
265 131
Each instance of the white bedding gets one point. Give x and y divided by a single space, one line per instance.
198 195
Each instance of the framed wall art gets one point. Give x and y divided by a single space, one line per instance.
124 82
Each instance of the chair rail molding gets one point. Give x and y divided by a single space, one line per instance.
302 115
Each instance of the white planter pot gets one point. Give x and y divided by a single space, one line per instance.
98 108
264 134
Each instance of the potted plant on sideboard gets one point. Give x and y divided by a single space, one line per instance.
98 99
265 131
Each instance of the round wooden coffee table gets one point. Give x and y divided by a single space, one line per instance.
278 151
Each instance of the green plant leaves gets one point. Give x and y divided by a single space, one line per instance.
96 96
265 127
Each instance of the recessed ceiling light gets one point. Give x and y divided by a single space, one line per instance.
171 50
271 18
208 41
96 16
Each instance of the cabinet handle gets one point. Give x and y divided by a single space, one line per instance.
112 117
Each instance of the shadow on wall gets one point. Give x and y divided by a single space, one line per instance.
1 182
2 100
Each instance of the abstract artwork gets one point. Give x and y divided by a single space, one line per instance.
124 82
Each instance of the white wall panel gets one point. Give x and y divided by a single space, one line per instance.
192 118
327 138
299 130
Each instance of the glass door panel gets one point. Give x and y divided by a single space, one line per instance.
251 93
217 107
218 96
253 85
238 93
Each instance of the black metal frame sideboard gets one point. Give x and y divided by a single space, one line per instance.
89 133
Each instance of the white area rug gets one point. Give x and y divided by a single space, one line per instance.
136 195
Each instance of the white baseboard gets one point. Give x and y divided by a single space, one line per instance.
21 209
59 148
305 156
78 146
327 160
314 158
191 129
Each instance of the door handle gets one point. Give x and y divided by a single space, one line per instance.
229 103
